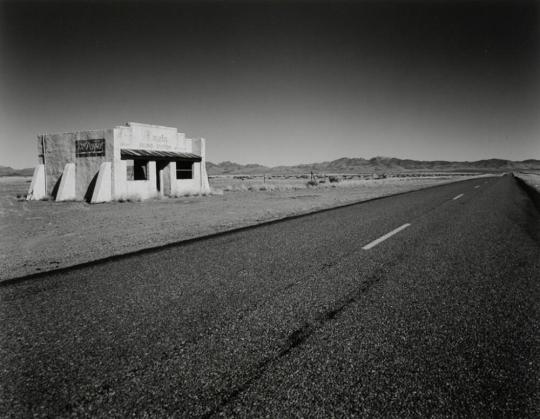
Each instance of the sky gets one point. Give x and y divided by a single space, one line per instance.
276 82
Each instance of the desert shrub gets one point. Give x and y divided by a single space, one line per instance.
271 188
134 198
130 198
334 179
236 188
216 191
312 182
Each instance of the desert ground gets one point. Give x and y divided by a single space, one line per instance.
531 178
38 236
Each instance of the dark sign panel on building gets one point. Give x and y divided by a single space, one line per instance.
90 148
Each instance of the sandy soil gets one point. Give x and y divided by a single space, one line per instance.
532 179
38 236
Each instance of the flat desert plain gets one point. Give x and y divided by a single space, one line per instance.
38 236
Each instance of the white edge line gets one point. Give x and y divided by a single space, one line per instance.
457 197
386 236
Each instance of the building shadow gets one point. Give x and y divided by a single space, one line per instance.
91 187
56 186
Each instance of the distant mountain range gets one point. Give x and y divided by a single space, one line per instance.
351 165
9 171
375 165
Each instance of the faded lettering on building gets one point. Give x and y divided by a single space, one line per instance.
90 148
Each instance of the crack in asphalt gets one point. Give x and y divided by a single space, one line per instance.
325 266
299 336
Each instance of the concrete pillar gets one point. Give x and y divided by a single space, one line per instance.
205 185
168 180
103 188
66 190
152 178
37 188
161 177
119 172
174 182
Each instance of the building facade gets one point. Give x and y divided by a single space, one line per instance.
132 161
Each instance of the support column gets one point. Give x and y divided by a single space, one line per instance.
153 192
103 188
205 185
37 187
66 190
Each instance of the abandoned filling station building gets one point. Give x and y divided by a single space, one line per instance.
131 161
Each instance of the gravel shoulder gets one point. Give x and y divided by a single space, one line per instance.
38 236
531 179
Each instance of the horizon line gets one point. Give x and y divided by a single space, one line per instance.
350 158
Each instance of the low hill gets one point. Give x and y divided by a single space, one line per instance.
227 167
9 171
350 165
375 165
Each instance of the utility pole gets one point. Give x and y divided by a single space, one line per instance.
44 166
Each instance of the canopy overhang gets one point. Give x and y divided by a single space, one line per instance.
136 154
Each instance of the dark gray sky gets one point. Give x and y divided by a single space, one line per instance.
278 82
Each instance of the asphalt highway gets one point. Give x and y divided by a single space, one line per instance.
420 304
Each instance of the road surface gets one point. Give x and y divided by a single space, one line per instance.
425 303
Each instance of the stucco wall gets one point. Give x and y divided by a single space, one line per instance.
182 186
143 189
60 149
152 137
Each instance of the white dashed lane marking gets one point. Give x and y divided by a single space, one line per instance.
386 236
477 186
397 230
